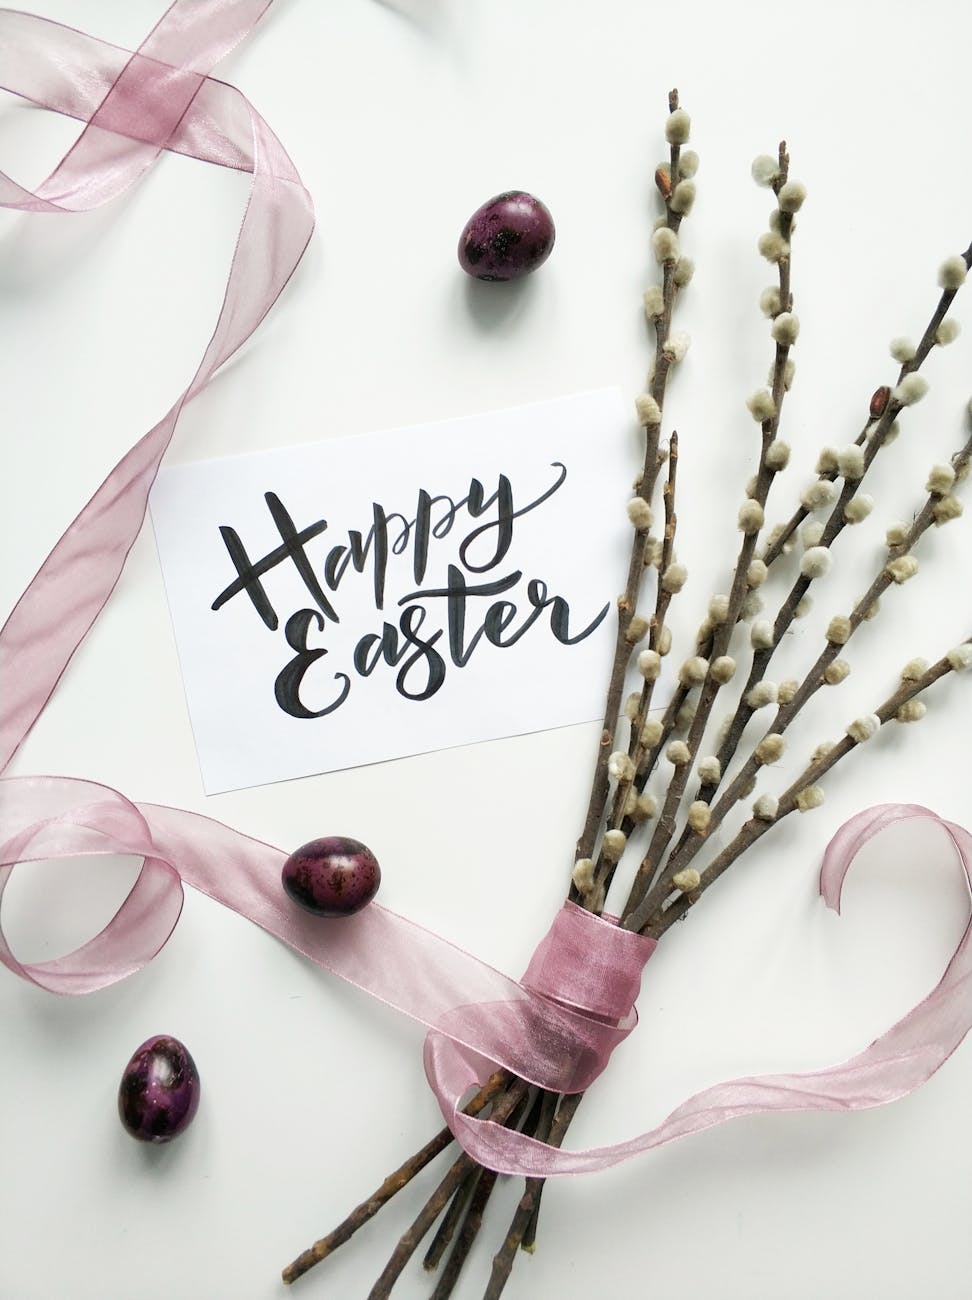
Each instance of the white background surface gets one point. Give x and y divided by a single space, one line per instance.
401 123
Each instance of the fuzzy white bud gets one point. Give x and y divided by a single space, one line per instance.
654 302
821 751
858 508
839 630
637 630
583 875
777 455
674 577
792 196
812 533
649 412
947 508
827 460
686 880
766 807
678 753
960 658
699 815
632 706
850 461
863 728
693 671
902 350
675 346
947 332
914 670
683 196
897 535
911 389
941 479
644 806
613 844
803 607
952 273
710 770
684 271
816 562
770 748
911 711
809 798
762 693
718 609
765 169
750 516
639 512
817 495
836 672
678 126
756 574
620 766
773 246
786 328
761 635
651 733
769 301
663 641
901 569
723 669
664 243
787 689
649 665
688 162
761 405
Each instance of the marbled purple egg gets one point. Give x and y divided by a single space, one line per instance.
159 1092
508 237
333 876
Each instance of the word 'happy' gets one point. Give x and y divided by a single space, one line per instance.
413 644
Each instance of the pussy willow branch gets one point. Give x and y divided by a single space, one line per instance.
755 828
628 601
837 521
739 788
721 634
638 750
785 531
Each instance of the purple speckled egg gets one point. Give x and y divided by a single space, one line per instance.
333 876
508 237
159 1092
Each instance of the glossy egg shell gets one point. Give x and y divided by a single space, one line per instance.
508 237
159 1091
332 876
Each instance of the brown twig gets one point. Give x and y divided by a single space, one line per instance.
503 1108
393 1184
628 601
525 1211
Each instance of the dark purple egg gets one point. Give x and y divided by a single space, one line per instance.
508 237
159 1092
333 876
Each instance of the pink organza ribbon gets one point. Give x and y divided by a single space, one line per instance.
558 1026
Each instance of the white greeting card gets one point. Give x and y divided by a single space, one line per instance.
365 598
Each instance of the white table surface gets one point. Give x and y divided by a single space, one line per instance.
402 119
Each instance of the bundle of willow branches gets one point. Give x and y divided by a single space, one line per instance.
667 746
